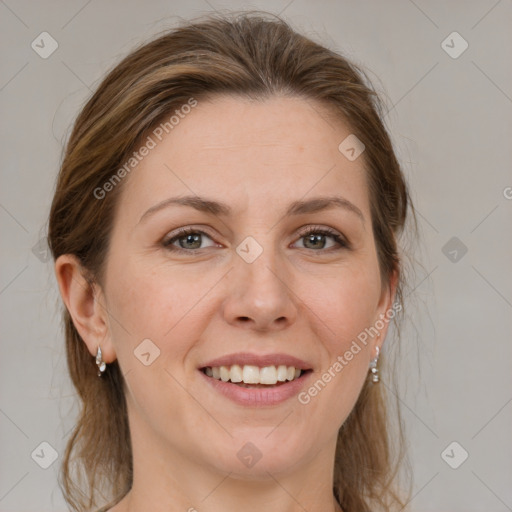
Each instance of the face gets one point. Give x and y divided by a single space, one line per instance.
268 274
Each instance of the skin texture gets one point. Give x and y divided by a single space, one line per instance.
309 301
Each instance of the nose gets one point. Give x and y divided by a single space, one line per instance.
260 295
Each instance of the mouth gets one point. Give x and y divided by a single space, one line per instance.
251 376
256 380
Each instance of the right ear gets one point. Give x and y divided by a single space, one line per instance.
84 300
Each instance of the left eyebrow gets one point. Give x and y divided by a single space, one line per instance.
296 208
323 203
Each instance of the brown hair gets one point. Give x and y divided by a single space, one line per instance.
255 56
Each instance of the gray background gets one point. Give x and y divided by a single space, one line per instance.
451 122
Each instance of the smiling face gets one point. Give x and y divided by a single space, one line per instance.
278 258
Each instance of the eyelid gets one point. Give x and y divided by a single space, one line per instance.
317 227
328 231
183 231
338 237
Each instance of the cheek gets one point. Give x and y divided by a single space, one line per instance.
347 312
140 302
349 305
343 309
161 303
141 306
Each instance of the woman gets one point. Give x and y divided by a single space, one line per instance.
224 230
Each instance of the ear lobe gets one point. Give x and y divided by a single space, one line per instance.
85 303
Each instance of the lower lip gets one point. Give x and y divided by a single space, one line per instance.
258 397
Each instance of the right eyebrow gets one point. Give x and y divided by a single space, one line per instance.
196 202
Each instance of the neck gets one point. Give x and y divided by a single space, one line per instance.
166 479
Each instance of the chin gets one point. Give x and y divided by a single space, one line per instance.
254 457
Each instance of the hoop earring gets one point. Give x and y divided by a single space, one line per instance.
373 367
102 366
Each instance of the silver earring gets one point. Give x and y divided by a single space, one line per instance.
373 367
102 366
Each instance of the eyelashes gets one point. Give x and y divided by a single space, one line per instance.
168 242
195 236
327 232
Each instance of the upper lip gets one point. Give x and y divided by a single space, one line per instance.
246 358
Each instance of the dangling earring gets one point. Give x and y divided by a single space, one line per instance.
102 366
373 367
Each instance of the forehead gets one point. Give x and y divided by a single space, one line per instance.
278 124
264 152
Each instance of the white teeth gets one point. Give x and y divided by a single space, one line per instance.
281 373
250 374
268 375
224 373
236 373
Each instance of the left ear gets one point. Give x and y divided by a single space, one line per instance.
384 308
